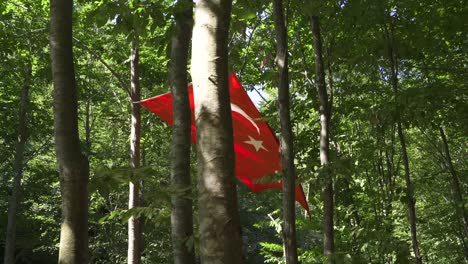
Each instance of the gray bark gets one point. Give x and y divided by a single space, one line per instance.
134 225
10 240
73 165
287 151
181 213
220 233
325 111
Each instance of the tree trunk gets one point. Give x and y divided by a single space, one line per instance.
330 83
88 127
220 233
134 227
410 195
287 151
181 214
73 165
10 240
404 154
328 241
457 193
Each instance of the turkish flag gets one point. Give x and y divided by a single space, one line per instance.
256 147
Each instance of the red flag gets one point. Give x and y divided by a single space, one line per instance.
256 147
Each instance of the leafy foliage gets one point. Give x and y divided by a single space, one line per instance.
371 223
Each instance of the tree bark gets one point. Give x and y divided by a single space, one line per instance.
410 194
88 125
10 240
88 128
287 151
409 185
457 193
219 224
73 165
181 213
325 111
134 225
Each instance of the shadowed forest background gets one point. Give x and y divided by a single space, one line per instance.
395 77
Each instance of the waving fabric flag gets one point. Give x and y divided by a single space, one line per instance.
256 147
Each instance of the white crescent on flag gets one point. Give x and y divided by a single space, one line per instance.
237 109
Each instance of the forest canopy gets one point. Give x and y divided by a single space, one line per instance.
368 99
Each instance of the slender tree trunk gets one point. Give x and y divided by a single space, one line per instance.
457 193
330 83
181 214
409 186
88 123
73 165
328 241
88 127
410 194
287 150
10 240
219 224
134 225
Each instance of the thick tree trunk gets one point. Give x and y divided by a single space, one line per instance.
73 165
328 241
220 233
287 151
181 214
404 154
10 240
134 225
457 193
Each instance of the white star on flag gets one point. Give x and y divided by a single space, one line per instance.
257 144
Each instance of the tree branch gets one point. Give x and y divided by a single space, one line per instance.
122 83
